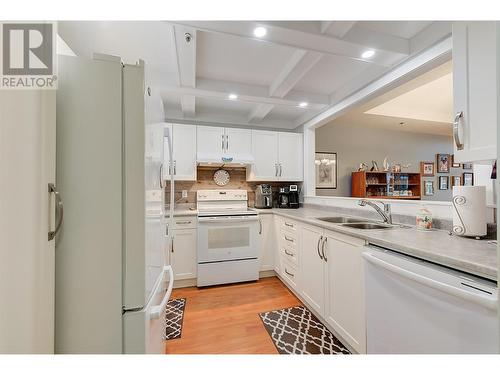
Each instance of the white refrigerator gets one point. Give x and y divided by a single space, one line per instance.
112 277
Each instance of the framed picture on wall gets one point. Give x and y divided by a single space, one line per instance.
453 164
468 179
456 180
443 163
427 168
429 187
444 182
326 170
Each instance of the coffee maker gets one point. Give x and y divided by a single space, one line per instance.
293 196
283 197
263 196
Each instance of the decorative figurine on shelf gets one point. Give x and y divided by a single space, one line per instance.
396 168
386 165
362 167
374 167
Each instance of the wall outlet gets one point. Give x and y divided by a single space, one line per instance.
184 194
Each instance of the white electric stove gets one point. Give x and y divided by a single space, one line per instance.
228 238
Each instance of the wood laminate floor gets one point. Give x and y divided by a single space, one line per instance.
225 319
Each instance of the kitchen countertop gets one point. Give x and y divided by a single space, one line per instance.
478 257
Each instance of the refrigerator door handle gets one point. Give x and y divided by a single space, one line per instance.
157 310
59 213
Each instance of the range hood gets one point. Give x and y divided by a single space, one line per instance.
225 161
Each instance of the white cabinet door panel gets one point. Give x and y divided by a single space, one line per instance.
209 143
345 302
183 254
265 153
267 242
238 144
290 156
312 269
475 90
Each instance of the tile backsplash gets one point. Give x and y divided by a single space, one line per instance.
237 181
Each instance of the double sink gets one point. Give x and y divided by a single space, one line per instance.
355 223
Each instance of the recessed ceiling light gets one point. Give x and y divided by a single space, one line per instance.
303 104
260 32
233 96
367 54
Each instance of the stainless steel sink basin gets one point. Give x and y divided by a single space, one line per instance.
342 220
367 226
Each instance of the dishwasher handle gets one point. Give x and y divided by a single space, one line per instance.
488 302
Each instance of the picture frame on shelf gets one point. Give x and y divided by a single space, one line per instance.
444 182
453 164
427 168
467 165
468 179
326 170
428 187
443 163
456 180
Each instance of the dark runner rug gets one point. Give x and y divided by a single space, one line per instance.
297 331
174 315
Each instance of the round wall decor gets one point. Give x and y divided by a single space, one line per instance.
221 177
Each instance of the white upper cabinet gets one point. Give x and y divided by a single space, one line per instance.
183 165
277 156
475 93
210 143
290 156
238 145
265 153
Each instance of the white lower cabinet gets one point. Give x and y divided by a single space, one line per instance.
184 248
267 242
345 297
277 256
312 269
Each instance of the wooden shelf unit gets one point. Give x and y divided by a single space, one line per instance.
377 184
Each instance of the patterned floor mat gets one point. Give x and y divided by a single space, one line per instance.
174 315
297 331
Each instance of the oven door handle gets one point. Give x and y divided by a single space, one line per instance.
227 219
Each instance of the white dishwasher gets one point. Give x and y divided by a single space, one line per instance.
417 307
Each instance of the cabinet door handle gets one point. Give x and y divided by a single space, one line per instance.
260 226
317 247
323 249
172 250
288 273
227 142
275 170
456 136
289 254
222 142
280 169
175 167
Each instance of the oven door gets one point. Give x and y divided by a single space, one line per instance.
222 238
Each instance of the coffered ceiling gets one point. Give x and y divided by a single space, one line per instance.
278 80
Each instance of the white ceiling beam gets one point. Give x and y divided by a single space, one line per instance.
242 96
337 28
259 112
285 34
185 52
299 64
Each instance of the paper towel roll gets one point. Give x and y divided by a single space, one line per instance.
469 210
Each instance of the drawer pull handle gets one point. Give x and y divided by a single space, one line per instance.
289 254
183 222
288 225
288 239
288 273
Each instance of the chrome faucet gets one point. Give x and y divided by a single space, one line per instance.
385 213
